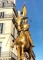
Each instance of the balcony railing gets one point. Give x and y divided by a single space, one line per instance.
6 16
8 56
3 5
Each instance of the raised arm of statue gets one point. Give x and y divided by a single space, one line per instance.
24 11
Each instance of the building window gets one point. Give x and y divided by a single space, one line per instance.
0 47
1 28
1 14
3 4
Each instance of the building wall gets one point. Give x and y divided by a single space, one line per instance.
8 27
5 36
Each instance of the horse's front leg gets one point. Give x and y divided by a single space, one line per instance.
30 53
18 52
22 52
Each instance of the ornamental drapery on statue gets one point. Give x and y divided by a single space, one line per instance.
23 41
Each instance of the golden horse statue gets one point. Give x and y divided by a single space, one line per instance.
23 40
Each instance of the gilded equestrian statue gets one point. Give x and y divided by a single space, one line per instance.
23 41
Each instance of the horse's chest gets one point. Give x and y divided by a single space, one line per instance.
21 40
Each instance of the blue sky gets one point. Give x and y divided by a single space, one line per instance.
35 12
